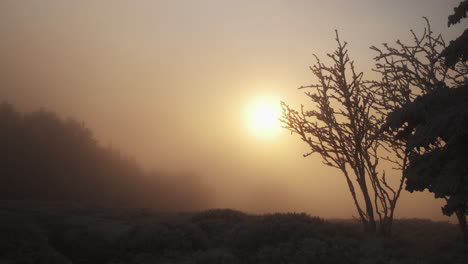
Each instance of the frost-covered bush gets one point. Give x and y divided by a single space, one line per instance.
311 250
250 239
162 240
422 237
79 242
215 256
273 229
218 223
21 242
276 254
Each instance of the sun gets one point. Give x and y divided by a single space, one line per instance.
263 117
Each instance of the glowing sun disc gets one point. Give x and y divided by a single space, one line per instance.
263 117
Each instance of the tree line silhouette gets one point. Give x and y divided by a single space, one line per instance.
47 158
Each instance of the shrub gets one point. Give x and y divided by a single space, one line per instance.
21 242
218 223
162 240
215 256
272 229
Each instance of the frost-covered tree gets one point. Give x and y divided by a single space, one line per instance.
408 70
437 147
458 48
343 129
433 128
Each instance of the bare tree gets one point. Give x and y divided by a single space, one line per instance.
343 128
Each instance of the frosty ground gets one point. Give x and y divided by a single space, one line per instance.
65 233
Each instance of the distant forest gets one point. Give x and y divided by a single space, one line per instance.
44 157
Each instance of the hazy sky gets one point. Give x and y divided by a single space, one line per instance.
170 82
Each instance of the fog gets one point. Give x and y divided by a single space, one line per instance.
168 82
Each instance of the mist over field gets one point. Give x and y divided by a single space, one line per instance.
169 84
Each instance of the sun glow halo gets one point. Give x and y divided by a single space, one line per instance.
263 117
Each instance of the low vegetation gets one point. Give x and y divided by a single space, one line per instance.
67 234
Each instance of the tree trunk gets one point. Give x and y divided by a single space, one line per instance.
462 223
385 227
370 226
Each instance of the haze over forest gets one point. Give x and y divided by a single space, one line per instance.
172 84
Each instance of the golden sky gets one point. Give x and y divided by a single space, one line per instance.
170 82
